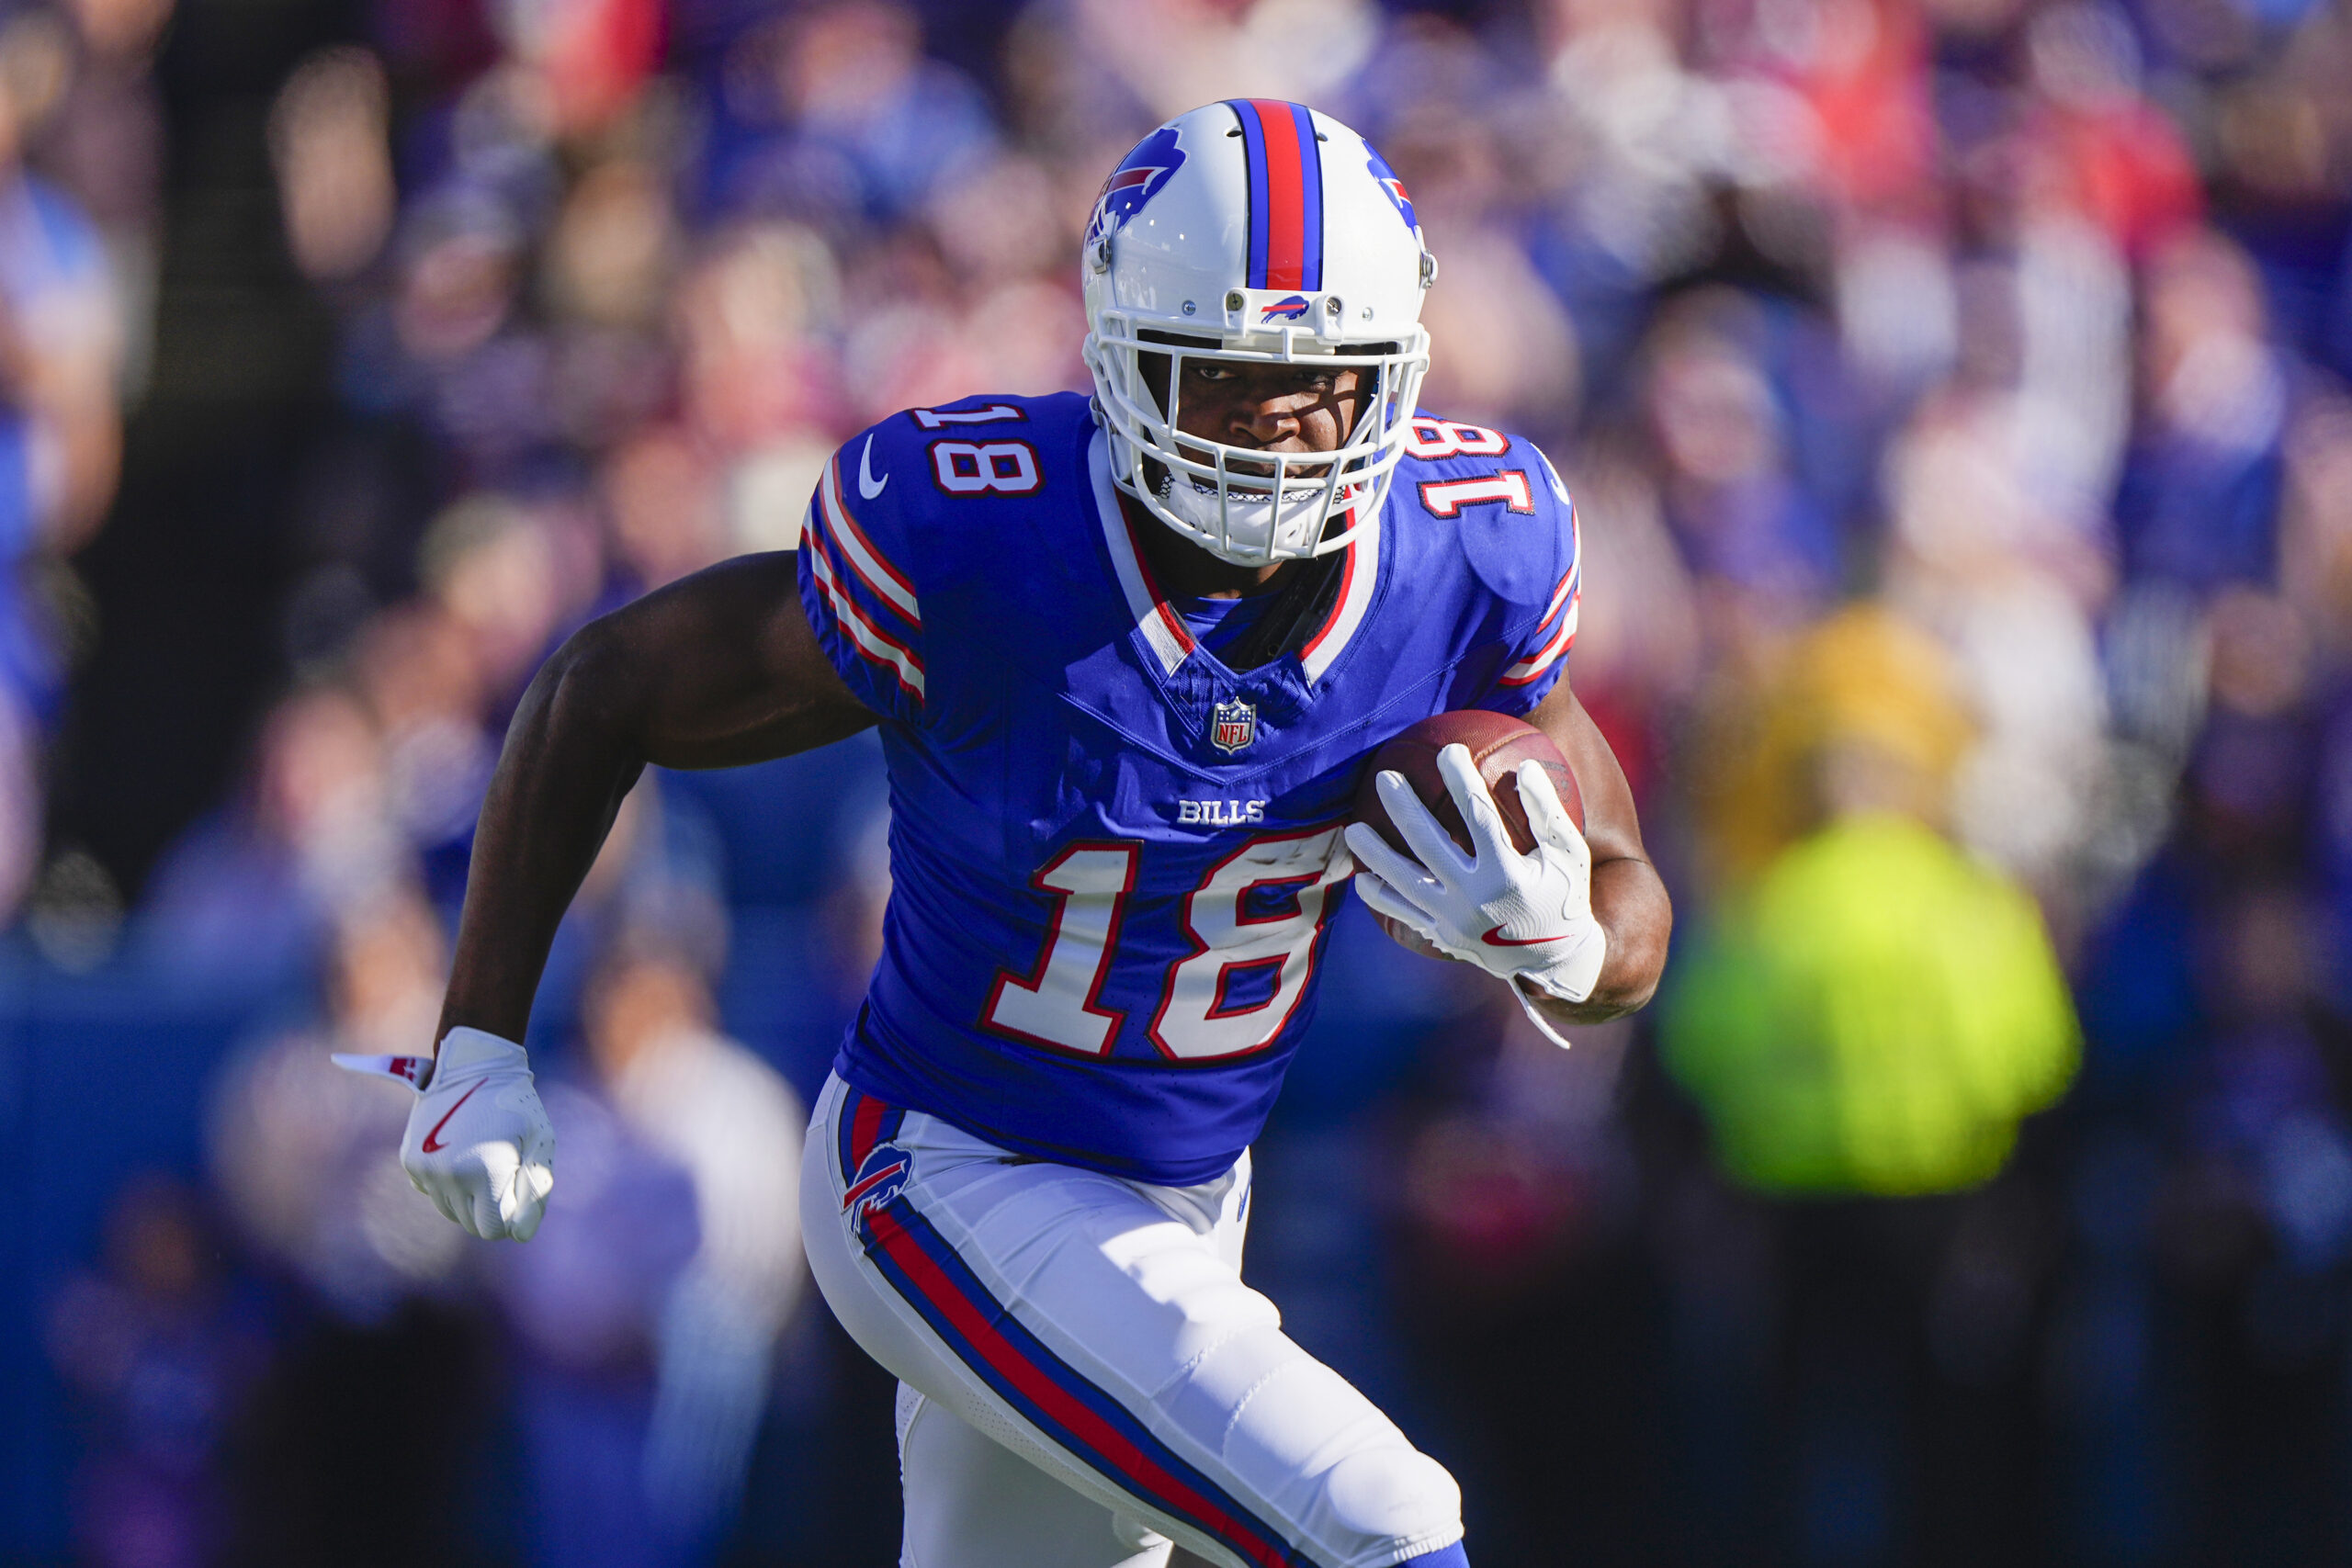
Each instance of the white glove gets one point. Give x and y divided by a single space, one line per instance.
478 1141
1521 917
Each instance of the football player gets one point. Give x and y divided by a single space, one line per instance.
1128 654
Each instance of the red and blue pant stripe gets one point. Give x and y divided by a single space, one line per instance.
863 1122
1285 193
1052 1395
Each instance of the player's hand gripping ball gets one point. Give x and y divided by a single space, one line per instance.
1519 902
1498 744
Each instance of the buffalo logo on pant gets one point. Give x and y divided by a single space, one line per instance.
881 1177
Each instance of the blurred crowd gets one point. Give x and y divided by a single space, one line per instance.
1958 397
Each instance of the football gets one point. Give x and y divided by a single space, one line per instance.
1498 745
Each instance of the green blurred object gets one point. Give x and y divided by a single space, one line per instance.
1875 1017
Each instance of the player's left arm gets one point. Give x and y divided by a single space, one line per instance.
1628 898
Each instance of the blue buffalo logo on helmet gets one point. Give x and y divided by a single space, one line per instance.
1290 310
1134 182
1393 186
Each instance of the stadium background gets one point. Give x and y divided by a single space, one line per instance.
1956 396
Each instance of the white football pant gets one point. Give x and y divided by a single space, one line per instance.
1084 1378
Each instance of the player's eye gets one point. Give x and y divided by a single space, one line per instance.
1208 373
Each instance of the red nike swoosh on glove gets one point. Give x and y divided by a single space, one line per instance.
1495 938
431 1147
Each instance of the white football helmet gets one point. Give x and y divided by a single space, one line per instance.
1263 232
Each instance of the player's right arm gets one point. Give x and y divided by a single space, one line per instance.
719 669
714 670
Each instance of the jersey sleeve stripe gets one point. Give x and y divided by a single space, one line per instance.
1535 663
873 569
1560 596
1073 1413
871 641
1567 596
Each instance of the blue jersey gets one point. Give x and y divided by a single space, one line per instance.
1114 858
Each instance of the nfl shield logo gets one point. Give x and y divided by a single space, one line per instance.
1233 725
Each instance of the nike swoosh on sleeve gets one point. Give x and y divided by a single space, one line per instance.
431 1145
867 485
1495 938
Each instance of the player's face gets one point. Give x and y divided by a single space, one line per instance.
1275 408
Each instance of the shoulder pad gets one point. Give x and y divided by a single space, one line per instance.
1522 554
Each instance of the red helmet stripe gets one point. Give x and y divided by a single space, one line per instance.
1285 193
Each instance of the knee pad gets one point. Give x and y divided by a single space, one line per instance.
1396 1497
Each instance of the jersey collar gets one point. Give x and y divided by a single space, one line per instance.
1163 631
